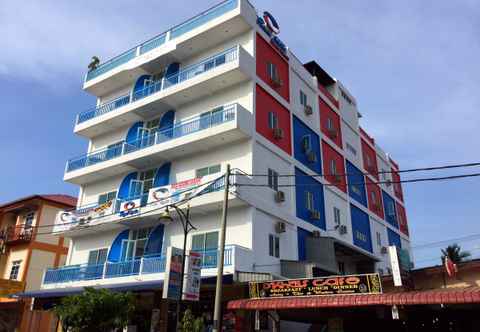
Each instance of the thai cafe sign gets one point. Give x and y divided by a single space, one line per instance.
333 285
193 277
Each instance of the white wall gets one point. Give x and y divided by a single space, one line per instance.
332 200
377 226
299 80
352 138
39 261
383 165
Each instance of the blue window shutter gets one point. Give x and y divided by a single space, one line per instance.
162 177
302 235
124 189
140 83
167 120
155 241
132 133
115 250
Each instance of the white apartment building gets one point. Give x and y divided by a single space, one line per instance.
222 88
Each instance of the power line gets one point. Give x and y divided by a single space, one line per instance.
442 242
422 169
442 178
440 256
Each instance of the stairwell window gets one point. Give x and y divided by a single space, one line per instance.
107 197
274 245
201 172
391 209
309 201
98 256
14 271
330 125
333 167
272 71
307 143
379 239
336 216
272 120
273 179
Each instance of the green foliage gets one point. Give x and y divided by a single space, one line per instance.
455 253
191 324
95 310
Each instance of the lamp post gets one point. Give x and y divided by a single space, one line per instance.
187 227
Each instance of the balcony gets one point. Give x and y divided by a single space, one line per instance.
212 74
201 133
214 26
19 235
146 268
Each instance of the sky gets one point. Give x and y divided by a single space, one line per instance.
412 65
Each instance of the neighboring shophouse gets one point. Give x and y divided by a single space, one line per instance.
27 248
222 88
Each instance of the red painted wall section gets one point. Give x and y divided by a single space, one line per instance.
329 155
367 136
397 187
374 194
369 159
266 53
402 218
265 103
326 115
327 94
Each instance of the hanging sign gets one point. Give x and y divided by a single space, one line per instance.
334 285
173 273
83 216
130 208
400 265
193 277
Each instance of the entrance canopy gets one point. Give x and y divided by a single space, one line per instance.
436 296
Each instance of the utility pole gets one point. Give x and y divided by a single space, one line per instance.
217 319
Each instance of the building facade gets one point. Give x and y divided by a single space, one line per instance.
27 248
222 88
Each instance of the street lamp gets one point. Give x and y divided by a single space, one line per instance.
187 227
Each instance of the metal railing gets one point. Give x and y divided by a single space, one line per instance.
20 233
165 83
191 126
161 39
145 265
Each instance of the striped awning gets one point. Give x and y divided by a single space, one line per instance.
436 296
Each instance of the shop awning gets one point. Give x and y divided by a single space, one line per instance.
120 287
437 296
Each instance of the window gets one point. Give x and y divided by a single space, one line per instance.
351 149
307 143
272 71
274 246
333 167
273 179
147 178
309 201
356 190
379 239
346 97
97 257
134 247
15 270
272 120
28 219
107 197
391 209
330 125
153 124
204 242
374 197
303 98
201 172
384 175
336 216
341 267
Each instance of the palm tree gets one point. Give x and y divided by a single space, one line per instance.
455 253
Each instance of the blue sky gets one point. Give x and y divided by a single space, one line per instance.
412 65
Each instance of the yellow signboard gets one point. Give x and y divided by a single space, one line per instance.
8 287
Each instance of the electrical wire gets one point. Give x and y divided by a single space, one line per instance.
442 242
422 169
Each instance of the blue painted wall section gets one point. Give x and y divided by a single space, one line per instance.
304 184
300 130
132 134
302 235
155 241
390 210
356 184
394 238
140 84
362 237
124 189
116 247
162 177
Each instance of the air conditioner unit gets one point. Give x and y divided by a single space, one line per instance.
281 227
278 133
279 196
316 234
308 110
377 207
311 157
314 214
343 229
337 178
383 250
277 82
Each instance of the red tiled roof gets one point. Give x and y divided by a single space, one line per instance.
437 296
57 198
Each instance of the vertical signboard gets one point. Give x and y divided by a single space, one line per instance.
400 263
395 265
193 277
173 273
